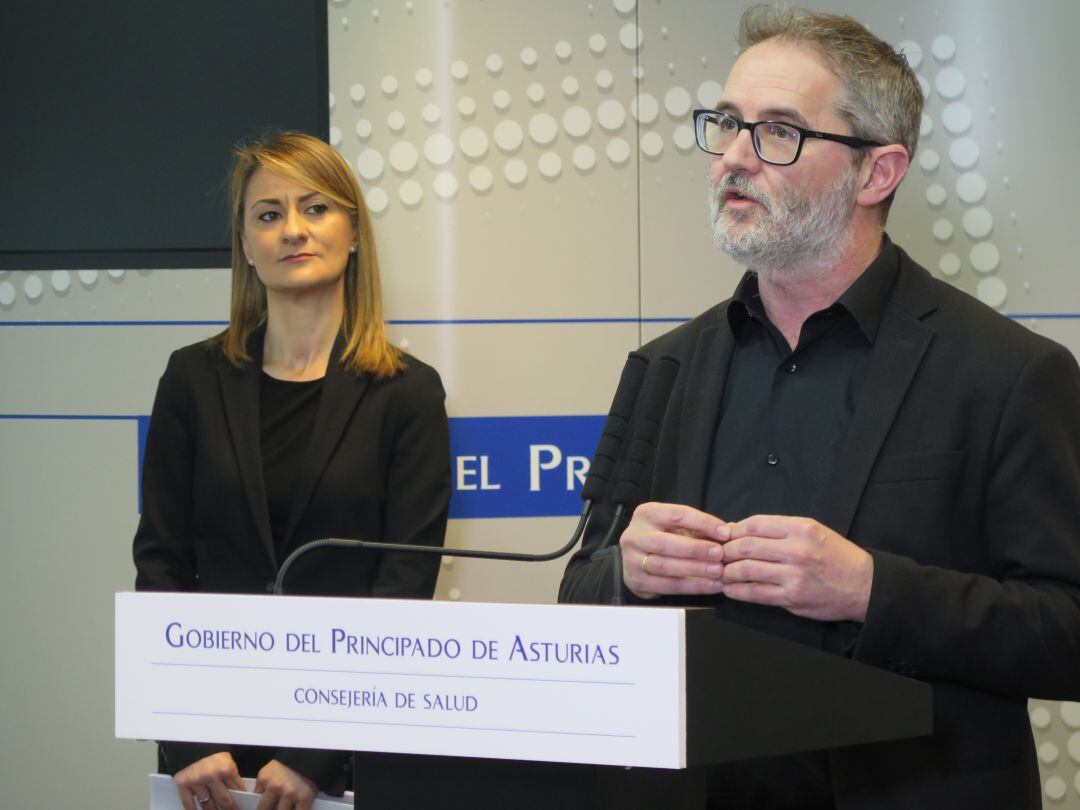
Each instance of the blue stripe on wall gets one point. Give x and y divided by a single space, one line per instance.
144 427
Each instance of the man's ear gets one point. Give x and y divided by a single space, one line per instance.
882 172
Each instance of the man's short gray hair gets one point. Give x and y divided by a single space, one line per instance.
883 102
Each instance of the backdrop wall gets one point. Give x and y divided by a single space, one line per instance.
540 210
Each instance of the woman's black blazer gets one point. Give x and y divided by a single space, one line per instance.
377 468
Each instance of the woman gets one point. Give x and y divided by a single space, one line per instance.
299 421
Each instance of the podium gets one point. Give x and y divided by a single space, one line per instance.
454 705
747 695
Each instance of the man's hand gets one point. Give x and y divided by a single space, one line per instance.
673 549
282 788
204 784
797 564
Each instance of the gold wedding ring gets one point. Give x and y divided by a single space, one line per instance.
643 559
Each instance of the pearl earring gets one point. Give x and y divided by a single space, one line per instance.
352 248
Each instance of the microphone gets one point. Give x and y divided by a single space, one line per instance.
643 445
639 457
594 488
622 408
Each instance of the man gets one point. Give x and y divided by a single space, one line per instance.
855 455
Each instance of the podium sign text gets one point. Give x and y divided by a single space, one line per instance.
551 683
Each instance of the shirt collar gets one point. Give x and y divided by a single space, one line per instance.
864 299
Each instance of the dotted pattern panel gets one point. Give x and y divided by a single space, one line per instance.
1057 741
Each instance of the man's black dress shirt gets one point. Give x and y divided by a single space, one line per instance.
782 415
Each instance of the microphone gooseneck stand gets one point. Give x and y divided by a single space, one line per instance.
594 488
437 551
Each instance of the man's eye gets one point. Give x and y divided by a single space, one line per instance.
781 133
728 124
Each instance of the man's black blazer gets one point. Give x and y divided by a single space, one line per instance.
377 468
961 476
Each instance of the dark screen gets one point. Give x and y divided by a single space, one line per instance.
120 118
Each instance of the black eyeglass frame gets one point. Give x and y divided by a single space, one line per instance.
699 133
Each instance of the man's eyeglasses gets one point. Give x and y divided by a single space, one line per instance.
776 143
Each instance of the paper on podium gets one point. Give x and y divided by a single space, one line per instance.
163 796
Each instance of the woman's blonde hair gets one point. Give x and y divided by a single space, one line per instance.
312 163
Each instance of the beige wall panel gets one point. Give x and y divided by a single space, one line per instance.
68 508
524 369
93 370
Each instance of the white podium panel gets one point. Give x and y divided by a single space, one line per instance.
556 683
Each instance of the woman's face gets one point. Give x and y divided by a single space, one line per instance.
297 238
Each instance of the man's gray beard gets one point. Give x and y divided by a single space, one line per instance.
794 235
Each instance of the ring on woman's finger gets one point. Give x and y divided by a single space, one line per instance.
202 802
643 560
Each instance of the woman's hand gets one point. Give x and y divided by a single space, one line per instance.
283 788
204 785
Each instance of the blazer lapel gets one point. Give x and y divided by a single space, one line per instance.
899 346
701 409
240 392
342 390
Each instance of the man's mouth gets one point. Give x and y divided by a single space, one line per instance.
737 197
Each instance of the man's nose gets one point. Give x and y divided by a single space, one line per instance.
741 156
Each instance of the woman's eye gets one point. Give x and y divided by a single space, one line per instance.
268 216
318 208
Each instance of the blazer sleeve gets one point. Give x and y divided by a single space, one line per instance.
1013 628
164 558
417 486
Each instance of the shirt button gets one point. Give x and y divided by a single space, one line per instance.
773 459
793 368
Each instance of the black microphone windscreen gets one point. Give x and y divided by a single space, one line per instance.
643 445
622 408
